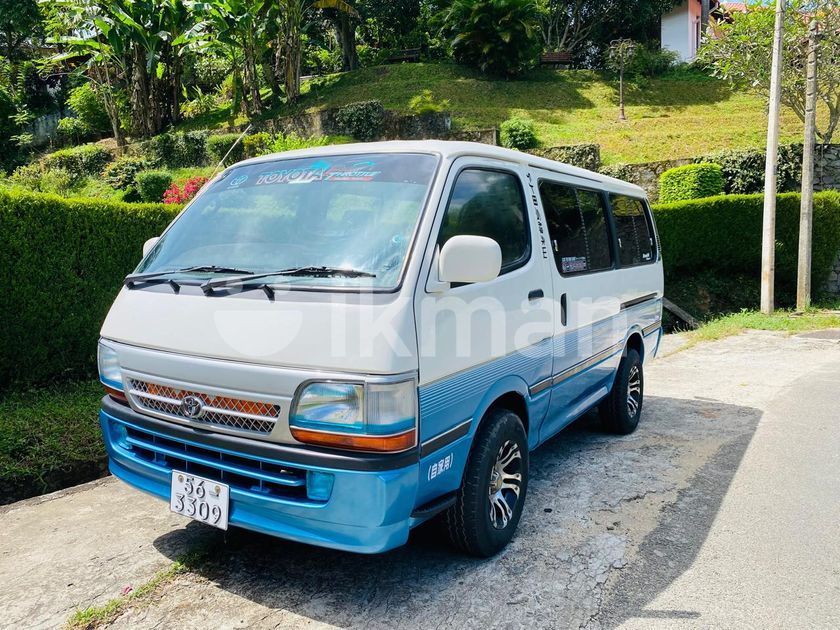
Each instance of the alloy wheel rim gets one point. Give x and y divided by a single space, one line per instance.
634 391
505 484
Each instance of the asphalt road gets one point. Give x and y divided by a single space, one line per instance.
722 510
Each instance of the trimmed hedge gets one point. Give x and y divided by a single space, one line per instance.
88 159
363 120
692 181
518 133
586 156
60 269
219 145
743 169
152 184
723 234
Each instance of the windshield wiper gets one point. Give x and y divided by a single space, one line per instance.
312 271
140 278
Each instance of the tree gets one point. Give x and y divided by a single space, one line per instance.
741 54
499 37
20 20
621 53
291 15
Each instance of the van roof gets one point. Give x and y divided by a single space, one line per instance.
453 149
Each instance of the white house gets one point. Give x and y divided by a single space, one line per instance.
681 30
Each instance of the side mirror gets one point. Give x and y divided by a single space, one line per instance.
148 245
467 258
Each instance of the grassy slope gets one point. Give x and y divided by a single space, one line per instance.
49 438
679 116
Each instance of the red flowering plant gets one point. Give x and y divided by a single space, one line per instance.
175 194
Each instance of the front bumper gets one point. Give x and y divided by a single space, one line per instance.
368 509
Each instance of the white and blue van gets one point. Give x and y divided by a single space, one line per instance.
335 345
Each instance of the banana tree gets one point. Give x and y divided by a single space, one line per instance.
90 43
239 25
291 15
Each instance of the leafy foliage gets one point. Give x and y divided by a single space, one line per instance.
362 120
500 37
178 149
88 159
122 174
88 107
151 185
723 234
81 249
425 103
218 145
741 53
518 133
743 169
692 181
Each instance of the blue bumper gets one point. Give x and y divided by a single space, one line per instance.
364 511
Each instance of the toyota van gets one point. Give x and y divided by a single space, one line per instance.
334 345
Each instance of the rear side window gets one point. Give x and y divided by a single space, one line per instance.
633 231
491 204
577 225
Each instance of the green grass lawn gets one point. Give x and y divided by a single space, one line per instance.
49 439
681 115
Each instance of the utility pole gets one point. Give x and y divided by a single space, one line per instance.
806 211
768 231
705 11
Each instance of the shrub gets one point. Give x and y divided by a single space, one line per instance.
90 110
724 234
362 120
652 62
586 156
499 37
153 184
71 130
293 141
176 195
36 178
218 146
425 103
177 150
518 133
692 181
81 250
743 169
88 159
122 174
257 144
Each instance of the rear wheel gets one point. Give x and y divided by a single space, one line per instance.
623 407
488 505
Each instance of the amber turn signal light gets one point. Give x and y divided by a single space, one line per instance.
376 443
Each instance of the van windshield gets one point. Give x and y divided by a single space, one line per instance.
353 212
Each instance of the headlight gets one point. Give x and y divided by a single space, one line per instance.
371 417
109 371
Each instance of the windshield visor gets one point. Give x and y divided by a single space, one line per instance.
354 212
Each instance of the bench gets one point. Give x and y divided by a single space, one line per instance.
561 58
407 54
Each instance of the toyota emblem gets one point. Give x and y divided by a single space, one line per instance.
192 406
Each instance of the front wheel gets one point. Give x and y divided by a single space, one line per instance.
489 504
623 407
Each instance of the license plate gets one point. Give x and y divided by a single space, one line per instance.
201 499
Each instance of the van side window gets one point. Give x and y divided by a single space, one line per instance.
491 204
635 237
577 225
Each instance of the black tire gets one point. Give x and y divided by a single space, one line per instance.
618 413
468 522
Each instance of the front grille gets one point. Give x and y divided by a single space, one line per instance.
246 415
242 472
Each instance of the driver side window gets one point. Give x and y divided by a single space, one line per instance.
489 203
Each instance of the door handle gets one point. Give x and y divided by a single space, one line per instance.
536 294
563 309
